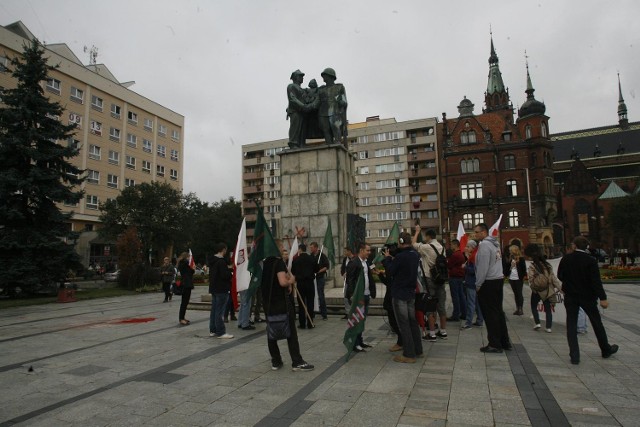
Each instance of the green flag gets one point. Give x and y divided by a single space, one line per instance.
263 246
355 322
327 243
394 235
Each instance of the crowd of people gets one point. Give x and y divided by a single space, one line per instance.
416 298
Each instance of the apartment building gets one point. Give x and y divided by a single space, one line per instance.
124 138
397 176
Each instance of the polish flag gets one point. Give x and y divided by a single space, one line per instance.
293 252
495 228
462 236
192 263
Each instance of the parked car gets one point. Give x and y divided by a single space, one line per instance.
111 277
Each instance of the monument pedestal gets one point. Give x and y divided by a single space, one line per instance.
317 186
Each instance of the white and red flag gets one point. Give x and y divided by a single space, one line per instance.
241 260
462 236
495 228
192 263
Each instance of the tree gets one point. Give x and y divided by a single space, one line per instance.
623 218
154 209
36 175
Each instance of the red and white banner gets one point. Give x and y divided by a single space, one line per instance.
192 262
462 236
241 260
495 228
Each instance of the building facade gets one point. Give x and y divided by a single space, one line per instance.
396 177
124 138
496 163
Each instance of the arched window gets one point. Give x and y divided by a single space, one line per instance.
512 188
467 220
543 129
509 162
514 220
463 165
527 132
464 138
472 137
547 160
476 165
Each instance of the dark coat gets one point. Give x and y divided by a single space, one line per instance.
403 268
219 276
580 275
354 268
186 274
304 267
521 266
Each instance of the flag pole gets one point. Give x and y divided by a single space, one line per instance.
303 305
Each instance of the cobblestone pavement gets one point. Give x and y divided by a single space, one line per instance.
125 361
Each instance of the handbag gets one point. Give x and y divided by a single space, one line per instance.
277 324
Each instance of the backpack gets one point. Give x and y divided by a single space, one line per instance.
541 281
439 271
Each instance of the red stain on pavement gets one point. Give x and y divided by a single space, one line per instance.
138 320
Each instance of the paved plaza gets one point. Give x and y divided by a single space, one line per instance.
125 361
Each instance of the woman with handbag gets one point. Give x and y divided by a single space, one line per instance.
544 285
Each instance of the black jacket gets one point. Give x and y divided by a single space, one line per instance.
186 274
354 268
521 266
219 276
580 276
304 267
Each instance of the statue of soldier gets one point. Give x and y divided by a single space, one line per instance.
295 110
332 109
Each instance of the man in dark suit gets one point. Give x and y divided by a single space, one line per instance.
354 268
582 287
304 268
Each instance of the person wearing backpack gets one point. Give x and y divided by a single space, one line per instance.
544 285
431 251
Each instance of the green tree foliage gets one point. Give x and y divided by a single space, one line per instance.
156 211
35 175
623 218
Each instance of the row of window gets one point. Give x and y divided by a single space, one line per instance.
469 137
95 151
77 95
380 137
470 220
93 176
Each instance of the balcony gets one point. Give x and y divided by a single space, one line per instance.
421 172
424 188
421 156
423 206
247 176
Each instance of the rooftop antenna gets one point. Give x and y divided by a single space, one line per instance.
93 54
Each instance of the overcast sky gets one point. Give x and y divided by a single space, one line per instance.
225 65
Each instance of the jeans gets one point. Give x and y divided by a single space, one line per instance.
321 301
408 326
490 296
244 310
186 296
456 288
473 307
292 341
218 305
535 299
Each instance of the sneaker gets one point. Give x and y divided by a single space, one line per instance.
224 336
536 327
366 345
465 327
358 349
442 335
548 330
211 334
276 365
304 366
431 338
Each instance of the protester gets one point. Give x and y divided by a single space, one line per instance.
186 284
489 285
277 297
515 269
456 282
220 276
360 263
470 286
304 268
582 288
168 275
403 268
322 266
541 268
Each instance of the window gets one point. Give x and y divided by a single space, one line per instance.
470 165
91 202
147 146
159 170
388 216
478 218
94 152
386 152
73 143
132 140
514 221
433 214
96 102
114 157
364 170
391 167
509 162
391 183
468 137
362 155
366 216
115 111
471 191
174 155
53 85
132 118
96 128
162 151
543 130
4 64
129 182
512 188
365 201
77 95
148 125
175 135
390 200
146 166
467 220
75 118
162 130
112 181
431 198
93 177
114 134
173 174
506 136
527 132
364 185
131 162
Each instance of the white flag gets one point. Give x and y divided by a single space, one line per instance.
495 228
241 260
293 252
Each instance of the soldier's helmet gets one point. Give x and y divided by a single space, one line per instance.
296 72
329 72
